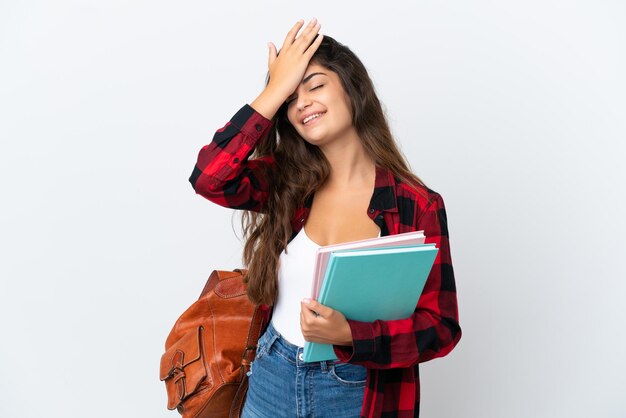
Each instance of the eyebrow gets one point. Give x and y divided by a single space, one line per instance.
308 77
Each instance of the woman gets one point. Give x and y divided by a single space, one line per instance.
312 162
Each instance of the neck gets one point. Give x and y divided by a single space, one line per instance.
350 165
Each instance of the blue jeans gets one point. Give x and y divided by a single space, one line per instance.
282 385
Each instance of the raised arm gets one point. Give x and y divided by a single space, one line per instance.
223 173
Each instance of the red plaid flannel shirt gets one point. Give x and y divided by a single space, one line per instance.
391 350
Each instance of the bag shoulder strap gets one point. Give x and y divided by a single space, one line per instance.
219 275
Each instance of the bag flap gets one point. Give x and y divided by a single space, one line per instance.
182 367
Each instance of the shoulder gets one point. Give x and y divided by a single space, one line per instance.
423 196
419 200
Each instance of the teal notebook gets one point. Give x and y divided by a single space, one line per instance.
375 283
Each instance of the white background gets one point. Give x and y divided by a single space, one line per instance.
513 111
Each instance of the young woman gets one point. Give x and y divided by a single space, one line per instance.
312 162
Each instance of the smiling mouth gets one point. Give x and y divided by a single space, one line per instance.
312 118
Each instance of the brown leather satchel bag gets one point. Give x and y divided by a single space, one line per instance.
209 350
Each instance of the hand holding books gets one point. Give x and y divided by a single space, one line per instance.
375 279
324 324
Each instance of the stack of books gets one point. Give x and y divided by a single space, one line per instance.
378 278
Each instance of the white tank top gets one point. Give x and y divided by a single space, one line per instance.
295 278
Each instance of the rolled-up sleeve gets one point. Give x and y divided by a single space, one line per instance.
224 174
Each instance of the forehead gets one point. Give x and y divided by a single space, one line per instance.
316 68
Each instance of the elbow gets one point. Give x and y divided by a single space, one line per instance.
204 185
193 179
455 332
439 341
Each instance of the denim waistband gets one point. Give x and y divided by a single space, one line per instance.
291 352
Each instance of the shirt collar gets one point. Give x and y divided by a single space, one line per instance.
384 196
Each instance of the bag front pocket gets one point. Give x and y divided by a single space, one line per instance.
184 369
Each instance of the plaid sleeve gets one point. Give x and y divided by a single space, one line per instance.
432 330
223 173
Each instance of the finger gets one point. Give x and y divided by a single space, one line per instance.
304 328
307 35
291 35
317 307
316 43
304 310
302 325
272 54
307 312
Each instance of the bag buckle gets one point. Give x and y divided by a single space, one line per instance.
247 358
177 373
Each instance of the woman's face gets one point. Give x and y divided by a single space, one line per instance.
319 109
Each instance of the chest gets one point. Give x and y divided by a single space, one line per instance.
336 217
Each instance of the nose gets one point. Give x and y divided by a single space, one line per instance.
302 101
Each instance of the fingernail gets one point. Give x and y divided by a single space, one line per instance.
306 300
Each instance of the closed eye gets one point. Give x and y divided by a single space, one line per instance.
294 98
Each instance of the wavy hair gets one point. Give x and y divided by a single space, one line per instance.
301 168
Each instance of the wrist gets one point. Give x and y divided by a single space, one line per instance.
346 335
269 101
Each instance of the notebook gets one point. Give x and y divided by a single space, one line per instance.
372 283
323 254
